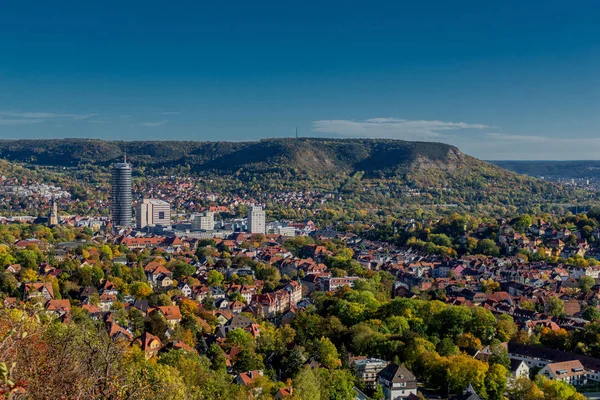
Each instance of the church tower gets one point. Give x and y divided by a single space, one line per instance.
53 217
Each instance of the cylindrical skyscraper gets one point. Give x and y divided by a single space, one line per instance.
120 201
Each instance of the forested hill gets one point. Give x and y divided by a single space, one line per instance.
373 176
558 169
375 157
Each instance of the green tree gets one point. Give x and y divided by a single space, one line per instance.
183 269
219 360
341 385
524 389
555 306
6 259
136 321
214 278
499 355
106 253
523 223
141 290
327 354
591 313
558 390
506 328
483 324
241 338
463 370
27 258
306 385
156 324
337 384
488 248
495 382
294 361
378 393
586 283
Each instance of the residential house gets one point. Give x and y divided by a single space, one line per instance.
109 288
571 372
295 290
13 269
397 382
106 301
468 394
222 304
519 368
157 274
117 332
333 284
539 357
368 368
164 281
236 306
248 378
60 308
149 344
185 289
238 321
38 290
171 313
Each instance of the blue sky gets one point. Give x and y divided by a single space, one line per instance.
502 80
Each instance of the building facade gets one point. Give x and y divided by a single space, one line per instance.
368 368
571 372
204 221
120 199
397 382
152 212
256 219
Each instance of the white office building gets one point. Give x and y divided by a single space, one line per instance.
256 219
152 212
204 221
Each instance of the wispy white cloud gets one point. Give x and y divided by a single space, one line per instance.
125 116
392 128
44 115
15 118
20 121
169 113
153 124
479 140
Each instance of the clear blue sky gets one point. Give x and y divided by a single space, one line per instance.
502 80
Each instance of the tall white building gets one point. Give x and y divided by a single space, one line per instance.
120 195
151 212
256 219
204 221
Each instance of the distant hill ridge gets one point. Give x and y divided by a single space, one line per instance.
389 175
373 156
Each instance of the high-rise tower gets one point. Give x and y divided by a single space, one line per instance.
256 219
120 201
